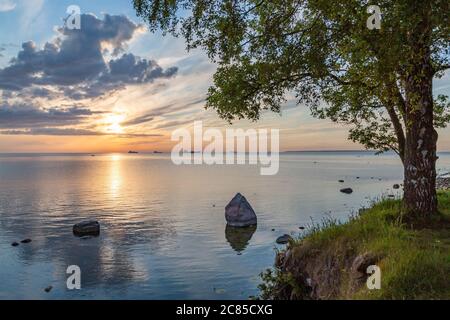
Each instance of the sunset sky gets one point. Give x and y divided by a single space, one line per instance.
113 86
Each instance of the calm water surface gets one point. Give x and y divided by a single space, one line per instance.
163 233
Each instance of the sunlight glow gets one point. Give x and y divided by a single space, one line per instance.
113 123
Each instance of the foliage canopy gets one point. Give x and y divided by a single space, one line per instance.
319 50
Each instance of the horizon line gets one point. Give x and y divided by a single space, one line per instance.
168 152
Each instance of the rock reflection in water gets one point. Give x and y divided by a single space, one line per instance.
239 237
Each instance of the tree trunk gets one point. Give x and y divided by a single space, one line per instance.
420 197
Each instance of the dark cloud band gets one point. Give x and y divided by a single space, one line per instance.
75 62
29 116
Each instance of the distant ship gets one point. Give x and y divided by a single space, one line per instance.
156 152
132 151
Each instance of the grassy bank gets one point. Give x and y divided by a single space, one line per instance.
327 263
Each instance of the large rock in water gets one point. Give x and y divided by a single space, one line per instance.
86 228
239 213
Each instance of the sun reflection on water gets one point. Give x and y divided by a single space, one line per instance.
115 176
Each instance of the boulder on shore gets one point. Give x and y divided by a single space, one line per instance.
239 213
361 263
86 228
396 186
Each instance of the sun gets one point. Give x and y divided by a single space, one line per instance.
113 123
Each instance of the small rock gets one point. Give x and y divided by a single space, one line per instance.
26 241
396 186
284 239
391 196
86 228
48 289
239 213
357 177
360 264
301 228
273 229
341 181
14 244
347 190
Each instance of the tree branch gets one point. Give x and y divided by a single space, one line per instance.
254 7
391 98
401 140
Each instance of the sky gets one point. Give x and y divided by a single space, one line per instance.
113 86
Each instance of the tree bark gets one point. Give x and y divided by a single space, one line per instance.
420 150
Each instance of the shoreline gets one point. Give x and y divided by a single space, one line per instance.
331 261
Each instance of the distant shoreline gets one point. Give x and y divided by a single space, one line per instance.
162 152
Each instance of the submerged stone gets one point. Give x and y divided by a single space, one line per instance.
86 228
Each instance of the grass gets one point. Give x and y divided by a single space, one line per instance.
414 263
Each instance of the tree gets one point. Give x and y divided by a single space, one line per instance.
377 81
